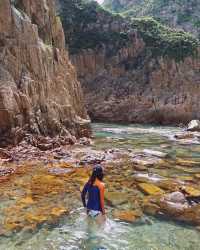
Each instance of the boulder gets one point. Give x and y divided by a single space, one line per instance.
194 125
4 171
151 209
176 197
140 168
183 136
191 191
85 141
150 189
154 153
92 158
116 198
174 205
168 184
145 160
191 215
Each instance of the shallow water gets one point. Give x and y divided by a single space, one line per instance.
34 192
77 233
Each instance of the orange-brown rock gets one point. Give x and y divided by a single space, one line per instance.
150 189
39 90
174 205
127 215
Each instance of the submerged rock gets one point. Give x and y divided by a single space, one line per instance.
116 198
92 158
127 215
150 189
191 191
146 160
140 167
168 184
154 153
151 208
184 136
187 163
149 178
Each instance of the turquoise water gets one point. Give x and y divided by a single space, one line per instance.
74 231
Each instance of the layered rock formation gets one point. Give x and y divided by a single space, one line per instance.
182 14
39 90
132 71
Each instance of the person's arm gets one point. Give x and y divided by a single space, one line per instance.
83 194
102 190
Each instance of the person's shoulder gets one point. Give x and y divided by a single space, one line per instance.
101 185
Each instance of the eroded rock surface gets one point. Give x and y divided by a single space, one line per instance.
39 90
132 71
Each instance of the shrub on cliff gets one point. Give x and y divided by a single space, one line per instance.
79 20
84 22
164 41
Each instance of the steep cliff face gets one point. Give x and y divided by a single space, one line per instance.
182 14
139 71
39 90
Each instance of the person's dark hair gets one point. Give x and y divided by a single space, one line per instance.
96 173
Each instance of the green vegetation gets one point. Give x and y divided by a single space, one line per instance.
163 41
87 27
77 16
95 39
183 13
197 23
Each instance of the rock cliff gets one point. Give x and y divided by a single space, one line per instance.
132 71
182 14
39 90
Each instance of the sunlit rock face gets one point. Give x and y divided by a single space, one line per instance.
137 71
39 90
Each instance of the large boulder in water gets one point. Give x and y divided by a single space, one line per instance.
174 205
194 125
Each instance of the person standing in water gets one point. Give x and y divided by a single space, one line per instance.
94 189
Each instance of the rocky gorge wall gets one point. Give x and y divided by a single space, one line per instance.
39 90
121 89
138 71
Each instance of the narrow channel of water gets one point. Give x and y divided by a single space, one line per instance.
33 190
